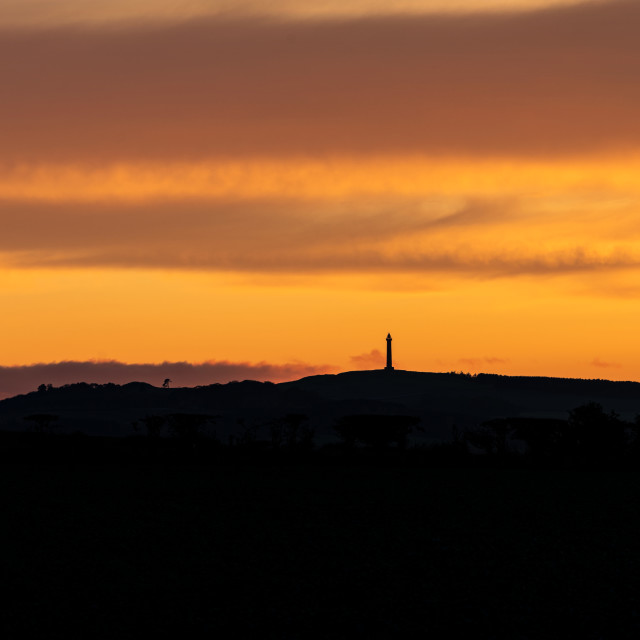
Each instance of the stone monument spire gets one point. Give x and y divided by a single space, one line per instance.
389 366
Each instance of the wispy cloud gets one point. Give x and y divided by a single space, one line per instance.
478 362
460 262
372 360
597 362
297 237
277 223
22 379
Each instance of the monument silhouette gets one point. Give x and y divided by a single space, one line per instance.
389 366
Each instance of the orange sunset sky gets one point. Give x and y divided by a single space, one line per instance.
264 190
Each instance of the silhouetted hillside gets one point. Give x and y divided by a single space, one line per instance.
441 401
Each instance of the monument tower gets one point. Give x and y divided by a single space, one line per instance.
389 366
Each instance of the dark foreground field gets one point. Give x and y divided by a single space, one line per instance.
336 551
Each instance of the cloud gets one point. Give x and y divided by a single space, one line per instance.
22 379
211 233
477 362
372 360
493 360
478 239
596 362
555 81
461 261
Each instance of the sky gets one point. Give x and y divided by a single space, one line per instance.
216 190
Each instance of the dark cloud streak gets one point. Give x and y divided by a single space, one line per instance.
461 261
22 379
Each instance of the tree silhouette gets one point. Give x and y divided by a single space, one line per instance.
377 431
588 436
153 425
593 435
188 427
492 436
291 431
42 422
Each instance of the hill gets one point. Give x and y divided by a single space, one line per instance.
440 400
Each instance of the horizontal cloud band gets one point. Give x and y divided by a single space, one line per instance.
556 81
478 238
22 379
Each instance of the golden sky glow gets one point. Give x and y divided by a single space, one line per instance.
182 182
